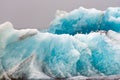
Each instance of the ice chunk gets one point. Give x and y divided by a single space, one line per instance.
64 55
43 55
86 20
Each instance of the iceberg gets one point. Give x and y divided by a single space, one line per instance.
81 44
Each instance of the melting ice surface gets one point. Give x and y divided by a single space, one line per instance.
84 42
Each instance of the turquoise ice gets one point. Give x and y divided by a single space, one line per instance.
84 42
85 21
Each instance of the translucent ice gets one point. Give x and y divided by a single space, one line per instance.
86 20
31 54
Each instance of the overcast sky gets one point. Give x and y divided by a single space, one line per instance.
39 13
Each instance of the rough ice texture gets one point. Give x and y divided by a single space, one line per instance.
88 45
86 20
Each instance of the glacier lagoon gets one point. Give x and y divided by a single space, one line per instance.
83 43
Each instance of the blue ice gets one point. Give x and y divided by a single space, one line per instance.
83 42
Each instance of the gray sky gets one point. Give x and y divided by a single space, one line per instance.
39 13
